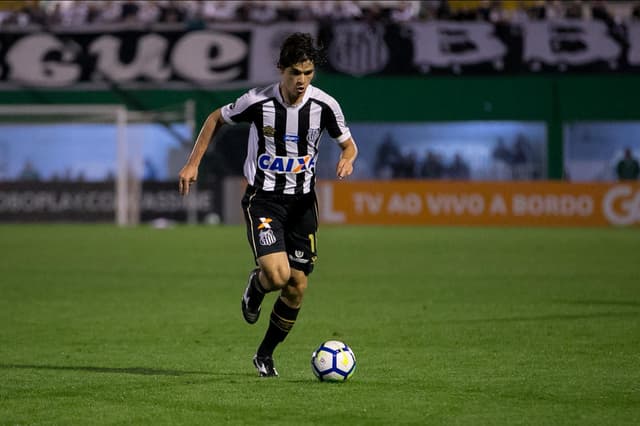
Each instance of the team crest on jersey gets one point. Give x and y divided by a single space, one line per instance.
312 135
268 131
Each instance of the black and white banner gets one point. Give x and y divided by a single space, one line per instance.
454 47
238 55
229 55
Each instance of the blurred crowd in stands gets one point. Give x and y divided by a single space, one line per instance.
510 160
73 13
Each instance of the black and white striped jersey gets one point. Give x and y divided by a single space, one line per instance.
283 139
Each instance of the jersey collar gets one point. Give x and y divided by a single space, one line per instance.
305 98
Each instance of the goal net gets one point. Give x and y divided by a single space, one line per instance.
98 154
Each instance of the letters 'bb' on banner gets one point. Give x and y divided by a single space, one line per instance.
479 203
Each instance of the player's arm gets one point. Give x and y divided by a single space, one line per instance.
189 172
347 157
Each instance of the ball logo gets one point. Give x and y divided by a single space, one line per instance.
621 206
343 358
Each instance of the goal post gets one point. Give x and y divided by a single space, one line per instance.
30 124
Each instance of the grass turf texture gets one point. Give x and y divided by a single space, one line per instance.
464 326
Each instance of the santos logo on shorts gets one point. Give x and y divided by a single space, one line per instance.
286 164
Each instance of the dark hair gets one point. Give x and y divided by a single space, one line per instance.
300 47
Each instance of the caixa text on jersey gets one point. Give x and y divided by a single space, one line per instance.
279 164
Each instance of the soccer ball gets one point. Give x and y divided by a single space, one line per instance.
333 361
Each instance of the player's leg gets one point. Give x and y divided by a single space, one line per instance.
293 293
283 318
272 274
284 313
265 233
301 255
275 271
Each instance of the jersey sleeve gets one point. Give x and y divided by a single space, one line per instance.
334 121
239 111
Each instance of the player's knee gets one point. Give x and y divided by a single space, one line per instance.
294 293
278 275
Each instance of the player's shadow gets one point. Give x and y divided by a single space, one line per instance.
113 370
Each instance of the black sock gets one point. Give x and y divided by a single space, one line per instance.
283 318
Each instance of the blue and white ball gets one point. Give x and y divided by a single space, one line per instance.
333 361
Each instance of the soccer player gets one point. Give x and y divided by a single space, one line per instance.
287 119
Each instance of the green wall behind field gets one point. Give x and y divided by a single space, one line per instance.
553 99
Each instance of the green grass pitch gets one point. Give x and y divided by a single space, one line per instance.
450 326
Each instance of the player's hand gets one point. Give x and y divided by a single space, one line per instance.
188 175
344 169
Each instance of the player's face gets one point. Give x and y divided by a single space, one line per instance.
295 80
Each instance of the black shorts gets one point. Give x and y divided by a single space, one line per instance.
277 223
